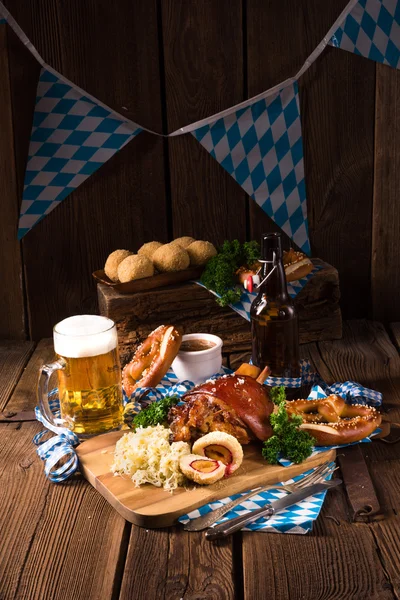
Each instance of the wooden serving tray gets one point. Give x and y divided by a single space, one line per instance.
151 507
149 283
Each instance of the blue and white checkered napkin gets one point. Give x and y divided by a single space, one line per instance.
372 30
243 306
295 519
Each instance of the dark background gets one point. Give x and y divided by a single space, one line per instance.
166 64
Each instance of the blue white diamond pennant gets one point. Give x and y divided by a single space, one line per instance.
372 30
71 138
261 147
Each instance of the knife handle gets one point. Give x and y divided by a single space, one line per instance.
228 527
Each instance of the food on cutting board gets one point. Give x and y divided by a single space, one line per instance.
184 241
149 249
135 267
235 404
155 413
201 470
288 440
222 447
170 257
200 252
147 456
330 421
296 264
152 359
113 261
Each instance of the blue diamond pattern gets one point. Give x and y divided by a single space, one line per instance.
260 146
372 30
77 138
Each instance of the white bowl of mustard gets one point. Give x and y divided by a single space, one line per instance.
199 357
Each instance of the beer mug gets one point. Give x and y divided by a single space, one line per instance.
89 376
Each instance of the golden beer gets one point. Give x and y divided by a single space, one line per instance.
89 375
90 393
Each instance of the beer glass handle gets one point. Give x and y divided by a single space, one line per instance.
43 389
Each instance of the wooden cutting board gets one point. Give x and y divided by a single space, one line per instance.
151 507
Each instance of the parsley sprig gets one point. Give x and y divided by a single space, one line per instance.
288 440
156 413
219 274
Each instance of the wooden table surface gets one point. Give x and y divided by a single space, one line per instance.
65 541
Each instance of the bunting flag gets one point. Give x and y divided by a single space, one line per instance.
372 30
261 147
72 136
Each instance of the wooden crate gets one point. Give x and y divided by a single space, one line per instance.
194 308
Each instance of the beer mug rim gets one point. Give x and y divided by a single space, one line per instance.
108 325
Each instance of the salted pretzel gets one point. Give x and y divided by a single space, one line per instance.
331 421
152 359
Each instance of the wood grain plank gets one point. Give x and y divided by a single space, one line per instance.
12 322
203 73
123 204
58 541
385 278
188 566
13 358
394 329
24 396
336 560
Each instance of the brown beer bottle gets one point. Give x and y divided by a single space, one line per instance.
274 326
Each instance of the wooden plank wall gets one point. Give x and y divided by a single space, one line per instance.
166 64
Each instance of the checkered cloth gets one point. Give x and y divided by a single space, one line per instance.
372 30
261 147
71 138
243 306
298 518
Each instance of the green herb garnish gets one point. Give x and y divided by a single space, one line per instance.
289 440
156 413
220 272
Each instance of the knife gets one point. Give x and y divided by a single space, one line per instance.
228 527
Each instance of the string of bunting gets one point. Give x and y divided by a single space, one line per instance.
60 458
258 141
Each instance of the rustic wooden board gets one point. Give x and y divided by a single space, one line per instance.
148 283
385 277
203 75
395 331
149 506
12 321
194 308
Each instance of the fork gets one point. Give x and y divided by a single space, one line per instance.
318 474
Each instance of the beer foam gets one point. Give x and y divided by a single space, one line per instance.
84 335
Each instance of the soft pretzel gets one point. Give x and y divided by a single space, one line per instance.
331 421
152 359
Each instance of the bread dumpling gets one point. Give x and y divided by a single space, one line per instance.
199 469
135 267
149 249
113 262
200 253
220 446
170 258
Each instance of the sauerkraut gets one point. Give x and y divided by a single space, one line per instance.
147 457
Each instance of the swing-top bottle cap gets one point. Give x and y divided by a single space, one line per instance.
271 246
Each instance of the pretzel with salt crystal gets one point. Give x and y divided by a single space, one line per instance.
331 421
152 359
